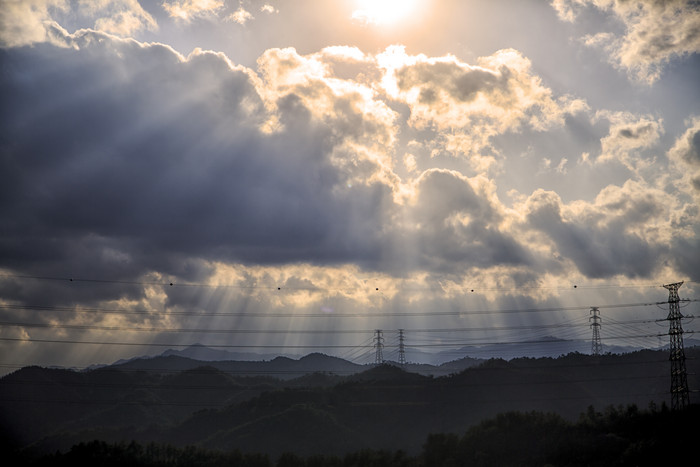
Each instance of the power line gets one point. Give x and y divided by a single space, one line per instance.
160 344
353 349
312 346
466 288
84 327
93 310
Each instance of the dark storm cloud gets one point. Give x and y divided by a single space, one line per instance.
458 227
120 158
129 161
599 241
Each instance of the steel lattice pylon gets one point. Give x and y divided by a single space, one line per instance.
378 347
596 345
402 349
679 377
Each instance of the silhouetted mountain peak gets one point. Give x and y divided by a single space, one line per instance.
320 359
316 356
204 353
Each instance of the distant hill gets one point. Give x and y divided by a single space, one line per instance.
263 408
279 367
283 367
204 353
550 346
423 362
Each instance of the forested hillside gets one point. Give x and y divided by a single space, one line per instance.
383 408
620 436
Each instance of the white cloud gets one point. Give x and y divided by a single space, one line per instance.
177 145
310 167
186 10
409 161
655 32
125 23
32 21
627 136
500 93
267 8
685 155
561 167
363 125
240 16
332 173
22 21
566 9
622 232
120 17
470 104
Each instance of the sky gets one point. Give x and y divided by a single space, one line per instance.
287 176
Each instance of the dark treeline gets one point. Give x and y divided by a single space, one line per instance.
617 436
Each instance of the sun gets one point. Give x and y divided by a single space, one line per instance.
384 12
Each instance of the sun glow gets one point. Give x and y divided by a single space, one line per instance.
384 12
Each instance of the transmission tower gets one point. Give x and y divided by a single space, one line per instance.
596 346
679 377
402 349
378 347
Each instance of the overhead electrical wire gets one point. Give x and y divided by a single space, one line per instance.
71 279
365 350
93 310
84 327
301 346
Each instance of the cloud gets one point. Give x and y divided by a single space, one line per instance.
362 126
457 223
655 32
131 161
133 158
627 136
22 22
120 17
186 10
331 174
624 231
684 157
32 21
685 154
267 8
240 16
474 102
